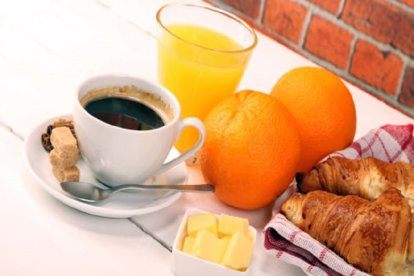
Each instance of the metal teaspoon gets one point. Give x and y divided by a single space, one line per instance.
89 192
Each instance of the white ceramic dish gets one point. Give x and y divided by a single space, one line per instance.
184 264
120 205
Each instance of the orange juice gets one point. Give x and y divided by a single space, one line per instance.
201 67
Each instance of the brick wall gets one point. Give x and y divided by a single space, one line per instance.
368 42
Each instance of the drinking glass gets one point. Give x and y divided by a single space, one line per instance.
202 54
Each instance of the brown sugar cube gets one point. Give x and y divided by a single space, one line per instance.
63 123
63 175
63 141
62 159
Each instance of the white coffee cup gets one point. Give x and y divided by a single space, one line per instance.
122 156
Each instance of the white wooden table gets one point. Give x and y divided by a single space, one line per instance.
46 49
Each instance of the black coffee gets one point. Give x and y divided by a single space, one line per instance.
124 113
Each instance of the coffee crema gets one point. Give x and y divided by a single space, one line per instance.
127 107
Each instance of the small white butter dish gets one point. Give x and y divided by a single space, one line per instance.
184 264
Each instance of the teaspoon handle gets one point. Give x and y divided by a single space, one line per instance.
178 187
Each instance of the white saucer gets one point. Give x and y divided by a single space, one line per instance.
120 205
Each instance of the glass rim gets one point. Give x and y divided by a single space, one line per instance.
217 10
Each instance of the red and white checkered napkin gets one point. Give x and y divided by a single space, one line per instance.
287 242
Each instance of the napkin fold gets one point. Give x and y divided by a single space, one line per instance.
286 242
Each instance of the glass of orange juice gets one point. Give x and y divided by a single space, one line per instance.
202 54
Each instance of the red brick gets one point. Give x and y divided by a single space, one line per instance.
408 2
285 17
328 41
407 90
329 5
404 37
383 21
375 67
249 7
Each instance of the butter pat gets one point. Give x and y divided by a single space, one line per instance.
239 252
198 222
188 245
208 247
229 225
223 243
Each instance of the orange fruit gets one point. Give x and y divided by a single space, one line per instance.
323 108
251 149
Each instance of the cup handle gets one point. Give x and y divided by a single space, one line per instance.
194 122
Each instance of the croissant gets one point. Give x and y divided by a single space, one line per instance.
367 178
372 236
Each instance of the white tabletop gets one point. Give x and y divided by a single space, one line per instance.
46 49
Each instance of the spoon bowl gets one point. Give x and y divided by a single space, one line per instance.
90 192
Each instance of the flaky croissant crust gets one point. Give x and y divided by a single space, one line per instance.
372 236
367 178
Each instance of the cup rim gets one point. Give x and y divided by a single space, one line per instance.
170 95
213 9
